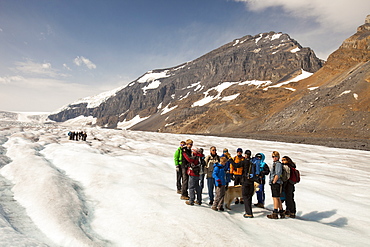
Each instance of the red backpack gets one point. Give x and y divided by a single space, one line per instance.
295 175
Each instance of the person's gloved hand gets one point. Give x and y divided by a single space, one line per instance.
177 168
219 183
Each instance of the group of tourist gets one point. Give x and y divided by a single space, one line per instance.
192 167
76 136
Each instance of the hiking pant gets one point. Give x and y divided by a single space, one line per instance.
201 182
178 177
238 180
220 195
247 192
289 197
185 181
194 189
261 194
211 186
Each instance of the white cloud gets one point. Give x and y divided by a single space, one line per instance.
10 79
79 61
337 15
41 69
66 67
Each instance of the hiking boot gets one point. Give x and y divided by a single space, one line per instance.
198 203
282 214
210 203
214 208
237 201
292 215
221 209
248 216
287 213
259 205
189 203
241 202
273 216
178 191
184 197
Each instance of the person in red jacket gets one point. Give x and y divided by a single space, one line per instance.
194 175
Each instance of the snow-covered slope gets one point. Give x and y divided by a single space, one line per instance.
118 189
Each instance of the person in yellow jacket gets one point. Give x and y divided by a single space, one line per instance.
237 171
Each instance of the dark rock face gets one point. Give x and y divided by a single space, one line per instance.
265 57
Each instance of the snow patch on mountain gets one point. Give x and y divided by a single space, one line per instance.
92 101
276 36
81 121
168 109
295 50
151 76
345 92
256 83
153 85
303 75
207 99
128 124
230 97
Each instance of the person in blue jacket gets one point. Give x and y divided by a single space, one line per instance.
259 162
220 181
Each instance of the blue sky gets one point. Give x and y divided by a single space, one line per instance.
54 52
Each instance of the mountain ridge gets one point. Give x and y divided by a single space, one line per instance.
256 87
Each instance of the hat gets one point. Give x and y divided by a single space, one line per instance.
248 152
226 150
239 150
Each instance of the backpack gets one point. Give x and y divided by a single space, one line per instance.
255 168
295 176
195 169
286 173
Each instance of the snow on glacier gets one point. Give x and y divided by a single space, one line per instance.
118 189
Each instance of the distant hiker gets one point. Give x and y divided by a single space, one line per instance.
70 135
237 172
210 160
178 161
84 136
220 181
193 172
186 152
276 186
289 189
226 154
262 170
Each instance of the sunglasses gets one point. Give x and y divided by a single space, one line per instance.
275 156
213 149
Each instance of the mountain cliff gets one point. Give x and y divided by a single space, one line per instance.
267 57
265 86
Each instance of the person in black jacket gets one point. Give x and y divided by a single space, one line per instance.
288 188
186 151
248 179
